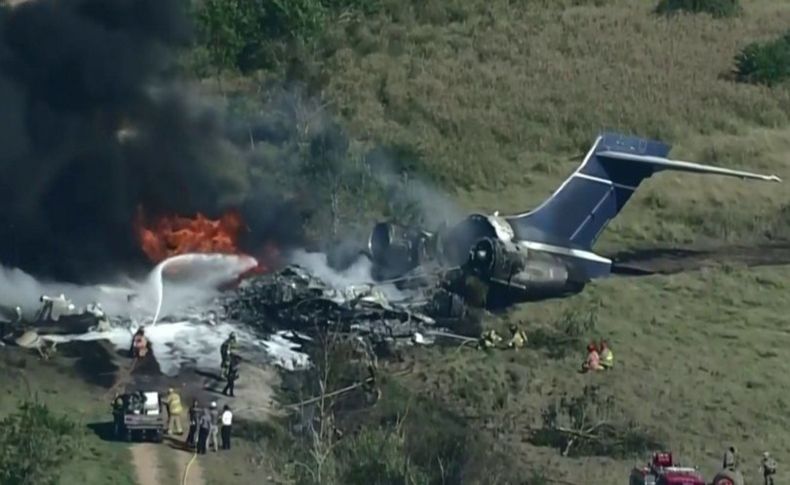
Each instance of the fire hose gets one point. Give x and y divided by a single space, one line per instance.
186 469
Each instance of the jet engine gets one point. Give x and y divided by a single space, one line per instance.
516 267
396 249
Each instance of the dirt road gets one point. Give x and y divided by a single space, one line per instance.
254 401
674 260
194 473
146 463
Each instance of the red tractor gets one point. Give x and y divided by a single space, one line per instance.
663 471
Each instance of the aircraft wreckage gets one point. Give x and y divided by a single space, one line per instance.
544 253
293 298
443 278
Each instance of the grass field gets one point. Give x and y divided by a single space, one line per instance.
498 100
699 362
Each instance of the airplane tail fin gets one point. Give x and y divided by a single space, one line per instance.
578 211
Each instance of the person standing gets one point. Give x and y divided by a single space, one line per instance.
174 410
226 350
227 422
194 417
768 467
204 428
213 432
730 460
117 414
233 374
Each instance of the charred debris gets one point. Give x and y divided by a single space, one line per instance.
417 309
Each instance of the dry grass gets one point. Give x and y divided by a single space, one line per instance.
496 97
490 96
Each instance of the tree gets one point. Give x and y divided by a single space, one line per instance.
34 444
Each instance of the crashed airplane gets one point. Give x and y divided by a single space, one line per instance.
543 253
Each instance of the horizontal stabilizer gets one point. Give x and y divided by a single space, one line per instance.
578 211
660 163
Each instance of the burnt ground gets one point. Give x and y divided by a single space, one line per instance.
675 260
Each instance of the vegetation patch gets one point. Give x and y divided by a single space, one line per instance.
35 444
765 62
717 8
591 424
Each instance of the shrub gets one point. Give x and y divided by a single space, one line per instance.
765 63
252 34
380 455
717 8
34 444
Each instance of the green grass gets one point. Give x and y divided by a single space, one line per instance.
56 386
698 361
494 102
101 462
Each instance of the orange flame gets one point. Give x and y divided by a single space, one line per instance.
167 236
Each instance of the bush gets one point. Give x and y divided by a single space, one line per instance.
34 444
253 34
717 8
378 456
764 63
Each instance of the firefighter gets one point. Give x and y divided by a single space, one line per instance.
768 467
226 350
117 413
607 357
194 417
139 344
518 338
174 409
213 431
231 376
489 339
593 361
729 462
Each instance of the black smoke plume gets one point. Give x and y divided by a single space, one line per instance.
93 123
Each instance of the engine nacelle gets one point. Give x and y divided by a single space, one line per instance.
512 265
396 249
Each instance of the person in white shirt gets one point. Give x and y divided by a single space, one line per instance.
227 421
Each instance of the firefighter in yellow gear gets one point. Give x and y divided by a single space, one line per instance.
489 339
607 357
518 338
174 410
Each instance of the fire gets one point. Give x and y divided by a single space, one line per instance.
167 236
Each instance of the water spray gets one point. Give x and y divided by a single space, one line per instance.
225 268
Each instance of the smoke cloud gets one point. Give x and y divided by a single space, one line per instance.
428 203
95 122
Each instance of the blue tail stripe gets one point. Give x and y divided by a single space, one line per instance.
576 214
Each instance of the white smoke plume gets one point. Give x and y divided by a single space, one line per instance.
174 285
357 274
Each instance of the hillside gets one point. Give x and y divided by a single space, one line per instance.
495 97
422 110
494 103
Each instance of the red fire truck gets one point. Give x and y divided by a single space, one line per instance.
662 470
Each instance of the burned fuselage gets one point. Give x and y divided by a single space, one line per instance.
480 261
544 252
